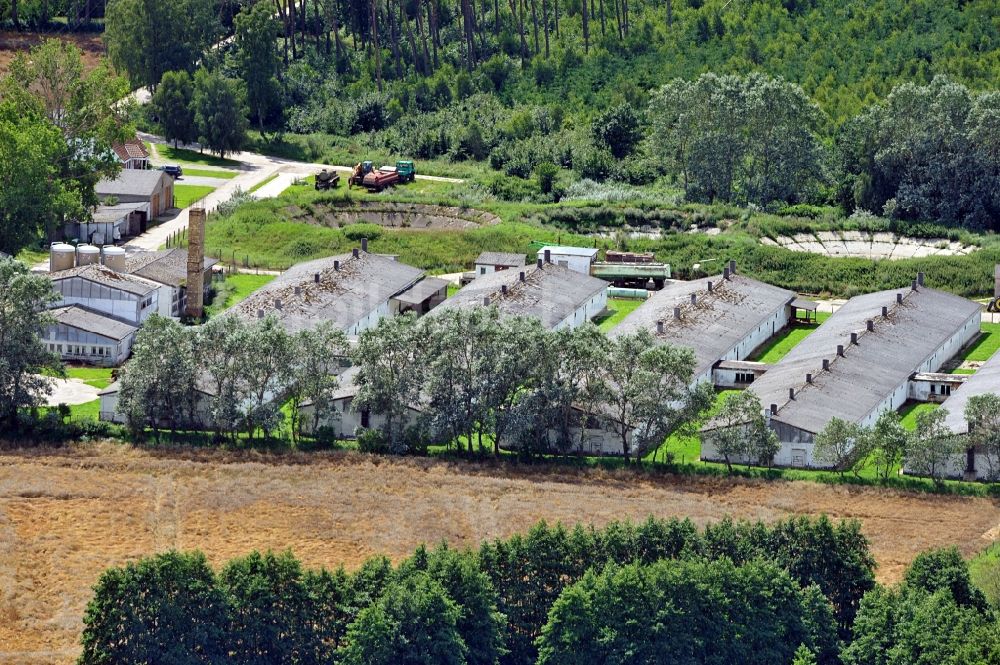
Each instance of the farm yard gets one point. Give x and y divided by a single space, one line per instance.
66 515
12 43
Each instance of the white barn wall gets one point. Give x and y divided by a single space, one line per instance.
585 312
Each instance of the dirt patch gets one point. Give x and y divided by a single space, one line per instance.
393 215
66 515
12 43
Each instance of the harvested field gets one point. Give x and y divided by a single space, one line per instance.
65 515
13 42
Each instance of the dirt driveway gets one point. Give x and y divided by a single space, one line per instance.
67 515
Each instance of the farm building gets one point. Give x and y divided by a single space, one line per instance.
975 464
155 188
109 223
80 334
351 291
168 269
553 294
198 417
132 154
578 259
721 318
859 364
347 421
99 289
490 262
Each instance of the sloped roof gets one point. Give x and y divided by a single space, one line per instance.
166 266
342 297
716 323
103 275
870 370
566 250
422 290
500 259
986 380
88 320
131 182
131 149
549 294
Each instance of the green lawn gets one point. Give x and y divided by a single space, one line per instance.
165 154
98 377
686 449
32 256
987 344
618 309
236 288
185 195
787 339
211 173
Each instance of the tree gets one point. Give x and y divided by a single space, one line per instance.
617 130
219 112
413 623
945 569
836 444
932 448
172 105
157 383
887 441
147 39
222 346
270 609
24 298
316 353
982 412
257 59
265 374
391 370
164 609
740 431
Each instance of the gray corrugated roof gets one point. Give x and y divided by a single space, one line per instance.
718 322
166 266
869 371
131 182
342 297
102 275
985 380
105 214
500 259
91 321
549 294
422 290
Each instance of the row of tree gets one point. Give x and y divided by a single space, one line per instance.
209 108
736 592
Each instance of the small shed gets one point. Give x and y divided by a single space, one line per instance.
137 186
84 335
132 154
577 259
423 296
490 262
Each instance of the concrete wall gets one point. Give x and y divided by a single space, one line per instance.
930 391
114 302
347 421
201 417
371 319
79 345
489 268
596 441
733 378
579 264
585 312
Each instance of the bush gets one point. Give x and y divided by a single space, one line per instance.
371 441
369 114
363 230
511 188
546 173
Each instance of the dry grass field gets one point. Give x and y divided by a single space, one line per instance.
12 42
65 515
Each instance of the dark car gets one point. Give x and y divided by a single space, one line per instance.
172 170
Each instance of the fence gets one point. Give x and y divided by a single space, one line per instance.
232 261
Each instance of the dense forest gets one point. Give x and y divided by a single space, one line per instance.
884 106
798 592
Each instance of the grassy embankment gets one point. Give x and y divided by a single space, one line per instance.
235 288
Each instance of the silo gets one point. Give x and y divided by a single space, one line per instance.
114 258
61 257
87 255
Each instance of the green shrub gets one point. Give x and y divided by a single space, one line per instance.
363 230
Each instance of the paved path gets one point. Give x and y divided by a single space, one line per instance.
71 391
274 188
202 180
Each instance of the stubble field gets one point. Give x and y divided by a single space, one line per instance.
66 515
12 43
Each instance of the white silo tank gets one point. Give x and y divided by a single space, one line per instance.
87 255
114 258
61 257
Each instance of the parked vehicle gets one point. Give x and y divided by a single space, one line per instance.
173 170
358 175
327 179
387 176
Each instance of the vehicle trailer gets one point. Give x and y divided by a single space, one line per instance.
327 179
387 176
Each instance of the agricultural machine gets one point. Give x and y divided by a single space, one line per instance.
327 180
376 180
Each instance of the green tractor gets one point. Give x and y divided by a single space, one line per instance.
407 172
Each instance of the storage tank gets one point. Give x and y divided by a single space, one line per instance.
87 255
61 257
114 258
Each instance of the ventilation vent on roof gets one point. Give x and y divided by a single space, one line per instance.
548 256
885 311
298 290
336 265
694 298
486 301
677 312
503 289
710 287
364 244
854 338
774 409
913 285
725 273
659 327
920 279
260 314
732 267
809 378
316 275
539 264
520 276
871 325
355 253
791 393
840 350
826 364
277 303
899 298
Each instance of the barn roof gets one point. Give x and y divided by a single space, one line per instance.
166 266
342 296
870 370
985 380
102 275
500 259
131 182
90 321
717 321
550 294
131 149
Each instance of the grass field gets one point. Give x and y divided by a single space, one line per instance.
619 308
185 195
99 377
68 514
165 154
211 173
236 288
32 256
786 340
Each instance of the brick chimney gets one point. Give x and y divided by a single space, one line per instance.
195 284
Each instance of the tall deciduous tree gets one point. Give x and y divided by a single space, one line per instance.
886 442
220 113
982 412
932 448
740 432
24 298
835 445
315 356
257 59
172 104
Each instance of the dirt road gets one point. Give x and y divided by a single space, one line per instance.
67 515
